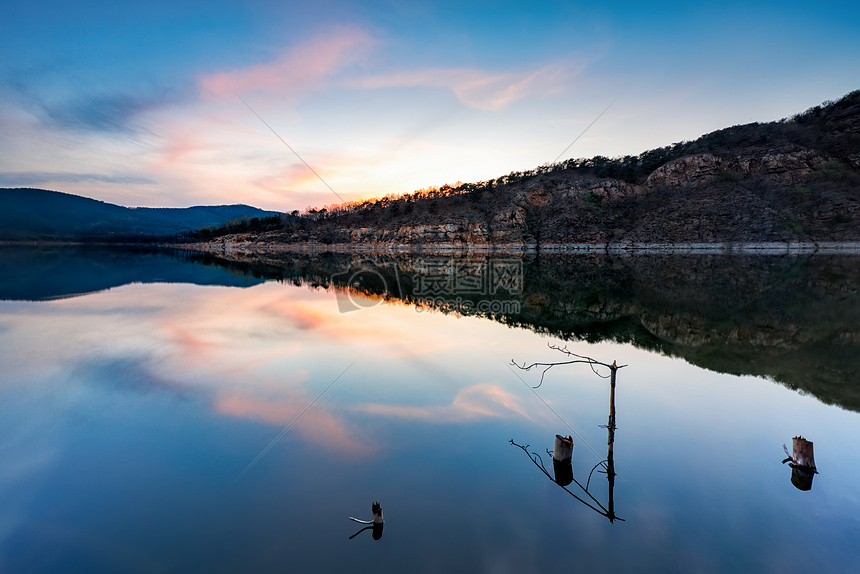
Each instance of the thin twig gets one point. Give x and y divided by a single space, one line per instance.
579 359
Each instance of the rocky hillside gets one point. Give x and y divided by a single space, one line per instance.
797 179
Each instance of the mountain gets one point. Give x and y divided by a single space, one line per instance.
796 179
56 272
38 214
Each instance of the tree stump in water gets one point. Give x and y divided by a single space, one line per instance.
563 449
802 452
562 453
802 463
378 522
377 513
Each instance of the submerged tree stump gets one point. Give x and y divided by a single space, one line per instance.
802 452
562 453
802 463
563 449
378 523
377 513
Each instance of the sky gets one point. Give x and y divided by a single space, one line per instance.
287 105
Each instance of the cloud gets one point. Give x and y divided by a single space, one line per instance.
88 110
471 403
204 338
315 426
474 88
133 374
295 176
302 316
28 178
218 144
195 348
298 70
325 319
102 113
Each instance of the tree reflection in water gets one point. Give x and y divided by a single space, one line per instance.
562 464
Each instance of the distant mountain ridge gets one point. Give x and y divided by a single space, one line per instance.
28 214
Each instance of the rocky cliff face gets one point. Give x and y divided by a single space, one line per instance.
760 195
779 168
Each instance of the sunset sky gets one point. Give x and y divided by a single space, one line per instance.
141 104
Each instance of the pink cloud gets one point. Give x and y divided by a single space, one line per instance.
218 151
195 349
295 177
299 69
478 401
303 317
316 426
475 88
181 140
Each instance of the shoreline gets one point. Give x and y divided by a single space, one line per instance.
271 248
724 248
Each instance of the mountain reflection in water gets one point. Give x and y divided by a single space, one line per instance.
793 319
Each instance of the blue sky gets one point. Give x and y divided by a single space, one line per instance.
141 104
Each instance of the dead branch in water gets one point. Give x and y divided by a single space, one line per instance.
592 363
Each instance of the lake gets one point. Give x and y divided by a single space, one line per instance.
176 412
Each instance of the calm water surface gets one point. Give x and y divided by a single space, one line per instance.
174 416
